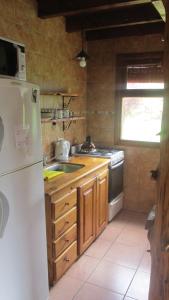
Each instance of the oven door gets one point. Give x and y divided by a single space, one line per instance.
115 180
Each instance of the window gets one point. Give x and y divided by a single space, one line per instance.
139 98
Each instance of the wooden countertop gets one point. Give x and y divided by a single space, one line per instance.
91 164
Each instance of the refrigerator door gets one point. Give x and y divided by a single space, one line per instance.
23 254
20 131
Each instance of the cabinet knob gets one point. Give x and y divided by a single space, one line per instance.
67 203
66 259
66 241
67 222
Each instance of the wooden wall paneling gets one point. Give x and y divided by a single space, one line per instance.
159 284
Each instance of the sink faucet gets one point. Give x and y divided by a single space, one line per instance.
45 159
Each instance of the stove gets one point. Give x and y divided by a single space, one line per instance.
115 155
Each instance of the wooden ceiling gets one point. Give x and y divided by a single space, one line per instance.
102 19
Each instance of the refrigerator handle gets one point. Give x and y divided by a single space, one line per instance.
4 213
1 132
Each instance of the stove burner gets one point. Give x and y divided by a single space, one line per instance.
114 155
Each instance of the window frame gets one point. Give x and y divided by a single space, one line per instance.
122 61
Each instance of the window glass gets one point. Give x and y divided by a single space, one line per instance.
141 118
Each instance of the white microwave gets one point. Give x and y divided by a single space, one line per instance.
12 59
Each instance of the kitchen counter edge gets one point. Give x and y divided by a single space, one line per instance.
92 164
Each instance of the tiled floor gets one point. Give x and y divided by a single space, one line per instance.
115 267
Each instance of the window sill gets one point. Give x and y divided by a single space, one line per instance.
139 144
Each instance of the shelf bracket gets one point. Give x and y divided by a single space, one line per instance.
66 105
66 127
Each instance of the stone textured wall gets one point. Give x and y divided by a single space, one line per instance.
49 56
140 190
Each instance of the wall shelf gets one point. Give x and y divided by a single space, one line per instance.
66 99
56 93
48 120
64 120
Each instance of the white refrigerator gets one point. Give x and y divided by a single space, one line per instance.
23 253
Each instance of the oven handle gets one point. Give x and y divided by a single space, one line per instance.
116 165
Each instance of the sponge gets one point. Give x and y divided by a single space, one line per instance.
47 175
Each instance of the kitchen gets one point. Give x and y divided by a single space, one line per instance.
50 63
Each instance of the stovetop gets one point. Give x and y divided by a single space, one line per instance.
115 155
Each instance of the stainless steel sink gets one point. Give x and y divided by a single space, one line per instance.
65 167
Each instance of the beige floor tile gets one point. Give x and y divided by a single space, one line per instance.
139 287
145 265
122 217
92 292
109 264
65 289
83 267
134 237
98 248
125 255
111 232
112 276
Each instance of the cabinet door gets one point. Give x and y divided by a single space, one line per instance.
102 202
87 215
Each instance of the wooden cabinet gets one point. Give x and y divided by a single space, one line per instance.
64 261
102 202
92 209
75 215
61 220
86 214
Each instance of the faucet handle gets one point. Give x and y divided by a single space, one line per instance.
45 159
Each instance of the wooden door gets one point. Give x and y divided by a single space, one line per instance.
159 283
102 202
86 214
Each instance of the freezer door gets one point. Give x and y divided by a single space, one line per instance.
23 255
20 130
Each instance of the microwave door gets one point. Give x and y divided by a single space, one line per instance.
8 59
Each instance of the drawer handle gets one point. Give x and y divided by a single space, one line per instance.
66 241
66 259
67 203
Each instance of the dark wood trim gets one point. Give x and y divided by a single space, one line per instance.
141 58
124 31
53 8
128 143
116 17
142 93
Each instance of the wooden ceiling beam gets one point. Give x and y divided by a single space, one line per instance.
111 18
54 8
132 30
159 6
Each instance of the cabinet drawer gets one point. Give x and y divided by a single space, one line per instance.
64 241
63 223
64 204
64 261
